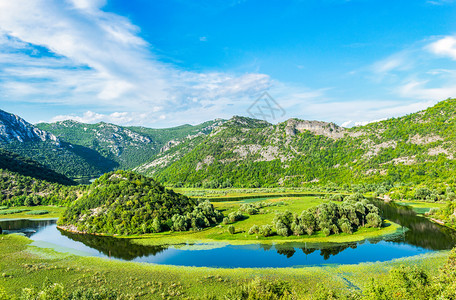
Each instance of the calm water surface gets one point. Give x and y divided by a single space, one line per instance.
418 236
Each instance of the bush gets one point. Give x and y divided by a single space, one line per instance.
373 220
326 231
266 230
235 216
231 229
254 229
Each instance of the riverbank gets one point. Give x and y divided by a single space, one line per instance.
24 266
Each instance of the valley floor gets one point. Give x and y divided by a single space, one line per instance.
24 266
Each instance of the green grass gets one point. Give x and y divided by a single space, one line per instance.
30 212
242 193
421 207
294 204
12 211
37 212
23 266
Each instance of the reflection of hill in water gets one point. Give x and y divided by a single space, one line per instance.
27 227
326 252
115 247
422 233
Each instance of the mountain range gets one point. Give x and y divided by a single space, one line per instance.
245 152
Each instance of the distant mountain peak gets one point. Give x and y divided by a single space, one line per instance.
14 128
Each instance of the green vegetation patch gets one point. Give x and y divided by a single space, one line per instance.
37 212
128 203
12 211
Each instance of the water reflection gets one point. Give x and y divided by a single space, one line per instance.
421 232
114 247
421 236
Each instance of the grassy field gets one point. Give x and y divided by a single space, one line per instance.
421 207
293 204
243 193
23 266
33 212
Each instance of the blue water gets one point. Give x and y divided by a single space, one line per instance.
419 236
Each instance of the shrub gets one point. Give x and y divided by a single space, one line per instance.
254 229
252 211
282 229
179 223
326 231
235 216
373 220
266 230
231 229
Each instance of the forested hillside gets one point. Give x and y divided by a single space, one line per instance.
124 147
27 167
21 137
124 202
413 149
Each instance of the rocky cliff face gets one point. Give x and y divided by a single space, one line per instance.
330 130
14 128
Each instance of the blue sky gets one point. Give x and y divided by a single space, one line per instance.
162 63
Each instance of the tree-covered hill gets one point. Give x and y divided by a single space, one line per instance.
25 139
413 149
124 147
124 202
15 163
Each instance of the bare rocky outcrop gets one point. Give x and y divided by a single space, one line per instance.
423 140
331 130
14 128
440 150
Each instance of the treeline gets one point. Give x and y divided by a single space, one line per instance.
328 218
27 167
19 190
124 202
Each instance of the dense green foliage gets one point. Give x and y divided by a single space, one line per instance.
119 147
27 167
414 149
19 190
70 160
128 203
327 218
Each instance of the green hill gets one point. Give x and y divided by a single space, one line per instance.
124 202
120 147
15 163
243 152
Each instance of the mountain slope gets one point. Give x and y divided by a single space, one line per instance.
21 137
27 167
128 147
250 153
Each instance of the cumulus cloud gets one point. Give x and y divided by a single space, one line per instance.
444 47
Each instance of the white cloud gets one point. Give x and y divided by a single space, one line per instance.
444 47
126 118
73 53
